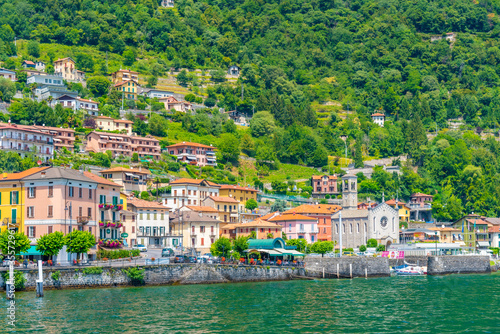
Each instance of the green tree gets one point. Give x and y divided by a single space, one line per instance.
135 157
7 89
128 57
322 247
182 78
50 244
19 243
362 248
98 85
84 62
278 205
240 244
262 124
371 243
228 149
301 244
34 48
251 204
358 155
221 247
247 145
79 242
158 125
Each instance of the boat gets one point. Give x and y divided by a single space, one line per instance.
409 270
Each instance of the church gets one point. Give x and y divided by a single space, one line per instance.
359 225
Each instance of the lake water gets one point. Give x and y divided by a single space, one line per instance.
443 304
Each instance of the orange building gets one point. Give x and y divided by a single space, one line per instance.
323 212
262 229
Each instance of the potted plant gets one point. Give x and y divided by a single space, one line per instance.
101 206
101 223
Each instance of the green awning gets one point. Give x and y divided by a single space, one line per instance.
284 251
31 251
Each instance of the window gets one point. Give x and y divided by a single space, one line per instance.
51 191
289 227
324 230
193 242
50 211
192 229
32 192
80 192
336 228
343 228
14 197
80 211
31 231
212 229
71 191
211 240
89 212
133 229
102 199
350 228
31 211
202 241
357 228
49 229
202 229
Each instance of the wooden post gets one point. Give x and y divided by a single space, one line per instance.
323 272
350 269
338 274
366 272
39 282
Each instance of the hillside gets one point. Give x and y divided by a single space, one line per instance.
312 70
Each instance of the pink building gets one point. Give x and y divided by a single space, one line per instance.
194 153
324 185
298 226
59 199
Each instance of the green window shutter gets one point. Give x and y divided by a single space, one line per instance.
11 197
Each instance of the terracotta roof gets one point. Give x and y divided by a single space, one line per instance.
123 121
494 229
256 223
23 128
29 62
420 195
123 169
85 100
315 209
229 186
187 143
20 175
494 221
41 128
378 114
478 222
393 202
128 71
444 229
193 181
145 138
356 213
140 203
124 82
319 177
223 199
287 217
270 215
105 117
61 59
101 180
201 208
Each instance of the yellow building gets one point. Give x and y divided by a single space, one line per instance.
128 88
241 194
227 207
12 199
404 211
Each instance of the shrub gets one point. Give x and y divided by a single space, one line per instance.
135 274
362 248
92 271
56 275
19 279
380 248
116 254
371 243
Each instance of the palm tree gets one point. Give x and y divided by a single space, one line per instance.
49 100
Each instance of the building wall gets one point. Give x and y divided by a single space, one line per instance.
10 209
294 230
241 196
129 89
261 232
184 194
67 68
152 224
203 236
27 142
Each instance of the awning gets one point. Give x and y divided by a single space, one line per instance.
483 244
210 159
31 251
191 158
284 251
270 252
295 253
131 175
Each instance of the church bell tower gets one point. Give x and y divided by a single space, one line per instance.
349 192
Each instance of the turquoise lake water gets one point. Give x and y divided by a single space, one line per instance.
427 304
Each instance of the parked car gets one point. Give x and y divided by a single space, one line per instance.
348 253
181 259
192 259
142 248
167 252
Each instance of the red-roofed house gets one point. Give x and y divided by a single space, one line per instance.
190 192
127 88
324 185
323 212
110 124
420 205
378 118
28 64
194 153
66 68
494 232
227 207
171 102
298 226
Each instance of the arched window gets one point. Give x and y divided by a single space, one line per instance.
357 228
366 227
336 228
374 227
393 224
343 228
350 228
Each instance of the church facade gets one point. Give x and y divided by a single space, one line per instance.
358 225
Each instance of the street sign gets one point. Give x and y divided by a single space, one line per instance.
124 235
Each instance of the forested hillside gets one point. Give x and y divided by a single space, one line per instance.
313 70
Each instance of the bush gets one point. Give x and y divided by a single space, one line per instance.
380 248
371 243
135 274
19 279
56 275
116 254
92 271
362 248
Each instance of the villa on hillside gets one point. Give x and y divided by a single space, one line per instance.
194 153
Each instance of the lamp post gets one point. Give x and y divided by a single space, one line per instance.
344 138
436 243
340 233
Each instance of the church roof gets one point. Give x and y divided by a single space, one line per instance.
352 213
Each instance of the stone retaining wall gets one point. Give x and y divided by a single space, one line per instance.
161 275
375 266
442 265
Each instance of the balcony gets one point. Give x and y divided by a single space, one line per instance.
110 224
82 220
10 222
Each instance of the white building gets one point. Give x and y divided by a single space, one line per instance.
41 80
167 3
190 192
152 93
378 118
25 142
152 223
8 74
196 230
40 66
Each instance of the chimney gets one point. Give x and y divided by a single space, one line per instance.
42 174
